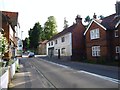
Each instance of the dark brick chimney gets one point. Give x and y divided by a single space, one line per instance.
117 5
94 16
78 19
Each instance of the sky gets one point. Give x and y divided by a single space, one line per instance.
32 11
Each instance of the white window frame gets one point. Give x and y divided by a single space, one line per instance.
63 51
116 33
56 41
52 43
95 34
95 50
62 39
117 49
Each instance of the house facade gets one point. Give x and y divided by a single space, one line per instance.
9 24
50 48
102 39
42 47
69 43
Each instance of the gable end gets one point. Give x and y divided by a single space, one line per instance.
91 24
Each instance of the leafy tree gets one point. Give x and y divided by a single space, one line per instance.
65 23
87 19
26 44
35 36
101 16
50 28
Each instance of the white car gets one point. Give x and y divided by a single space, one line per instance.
31 54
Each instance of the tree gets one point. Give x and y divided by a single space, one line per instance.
87 19
50 28
65 23
101 17
35 36
26 44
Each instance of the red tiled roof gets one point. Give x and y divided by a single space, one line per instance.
12 17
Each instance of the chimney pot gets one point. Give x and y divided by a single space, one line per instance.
78 19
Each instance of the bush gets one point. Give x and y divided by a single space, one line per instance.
10 62
1 64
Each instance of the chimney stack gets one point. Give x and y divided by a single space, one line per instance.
78 19
94 16
117 5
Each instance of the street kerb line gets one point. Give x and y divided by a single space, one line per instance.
82 71
100 76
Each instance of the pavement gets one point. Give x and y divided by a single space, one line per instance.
27 77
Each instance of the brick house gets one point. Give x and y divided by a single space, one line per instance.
9 24
102 39
42 47
69 43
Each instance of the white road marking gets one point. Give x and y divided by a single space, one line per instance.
100 76
93 74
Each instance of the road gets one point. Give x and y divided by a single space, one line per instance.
61 76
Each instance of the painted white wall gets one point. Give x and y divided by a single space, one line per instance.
49 46
67 44
11 31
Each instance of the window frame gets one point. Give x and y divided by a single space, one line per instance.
116 33
117 49
63 51
51 43
95 51
95 34
56 41
62 39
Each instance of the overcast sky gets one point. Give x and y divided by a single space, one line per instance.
32 11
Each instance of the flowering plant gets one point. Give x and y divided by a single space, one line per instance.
3 45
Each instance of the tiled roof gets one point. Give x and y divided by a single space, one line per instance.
12 17
43 42
67 30
109 22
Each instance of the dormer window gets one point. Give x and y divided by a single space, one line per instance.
116 33
94 34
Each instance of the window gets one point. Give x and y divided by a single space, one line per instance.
20 45
117 49
94 34
96 51
56 51
62 39
116 33
63 50
55 41
51 43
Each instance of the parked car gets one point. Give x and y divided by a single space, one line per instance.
31 54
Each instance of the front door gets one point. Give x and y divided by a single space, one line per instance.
58 53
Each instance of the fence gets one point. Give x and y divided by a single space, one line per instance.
8 74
